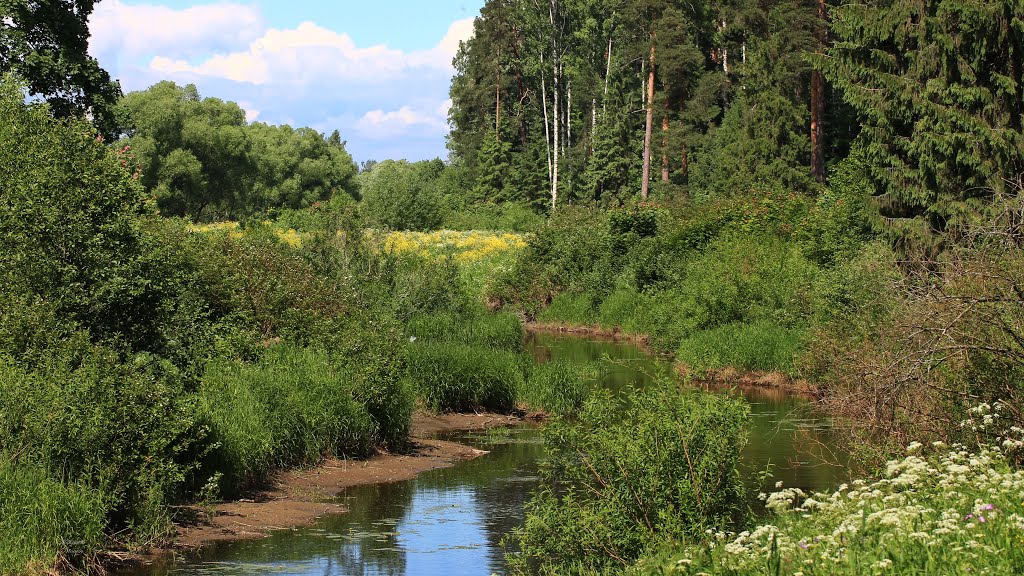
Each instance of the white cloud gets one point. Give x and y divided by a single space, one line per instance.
126 31
379 124
311 54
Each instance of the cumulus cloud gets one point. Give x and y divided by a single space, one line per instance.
121 30
379 124
311 54
388 102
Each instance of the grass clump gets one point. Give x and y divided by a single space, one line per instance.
758 346
500 331
460 377
559 387
294 408
631 472
47 524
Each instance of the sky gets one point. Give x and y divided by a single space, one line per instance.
377 71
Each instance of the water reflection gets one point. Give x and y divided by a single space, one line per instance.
452 521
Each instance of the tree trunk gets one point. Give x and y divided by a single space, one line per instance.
497 99
818 107
558 129
664 145
519 81
645 184
607 74
547 130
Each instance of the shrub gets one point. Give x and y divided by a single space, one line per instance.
511 217
296 407
126 428
629 473
459 377
45 524
401 196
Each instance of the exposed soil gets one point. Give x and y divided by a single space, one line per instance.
765 382
299 497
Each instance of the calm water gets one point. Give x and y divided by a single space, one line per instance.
452 521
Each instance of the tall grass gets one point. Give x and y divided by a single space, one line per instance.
45 523
460 377
501 331
559 387
295 407
759 346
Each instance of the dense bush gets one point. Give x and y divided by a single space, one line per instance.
399 195
295 407
511 217
629 473
125 428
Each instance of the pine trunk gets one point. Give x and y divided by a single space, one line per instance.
645 184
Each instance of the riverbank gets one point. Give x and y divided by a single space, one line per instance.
299 497
708 379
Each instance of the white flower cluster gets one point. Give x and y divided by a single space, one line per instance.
953 507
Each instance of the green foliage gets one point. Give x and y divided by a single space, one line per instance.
576 308
201 159
509 216
559 387
47 44
399 195
295 407
461 377
69 217
630 473
758 346
125 428
46 525
938 89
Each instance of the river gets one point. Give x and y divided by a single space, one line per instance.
452 521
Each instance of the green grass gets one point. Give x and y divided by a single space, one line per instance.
758 346
460 377
45 523
503 331
950 512
575 308
559 387
294 408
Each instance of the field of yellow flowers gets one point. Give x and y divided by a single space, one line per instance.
481 255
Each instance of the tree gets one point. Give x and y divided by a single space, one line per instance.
400 195
46 42
937 84
202 160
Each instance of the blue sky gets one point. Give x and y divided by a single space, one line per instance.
376 71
